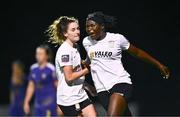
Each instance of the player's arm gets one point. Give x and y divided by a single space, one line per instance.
86 45
70 75
56 83
86 62
54 78
29 94
138 53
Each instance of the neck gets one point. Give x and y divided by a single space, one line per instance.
18 76
42 65
102 36
70 42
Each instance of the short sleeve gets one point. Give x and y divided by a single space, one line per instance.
54 75
86 44
53 71
65 58
31 76
124 43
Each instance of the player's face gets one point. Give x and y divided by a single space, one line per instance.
73 32
93 29
41 55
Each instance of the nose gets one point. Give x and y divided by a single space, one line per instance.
89 30
78 32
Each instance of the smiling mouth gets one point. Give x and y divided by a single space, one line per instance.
76 36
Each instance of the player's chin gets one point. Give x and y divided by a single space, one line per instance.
76 39
94 37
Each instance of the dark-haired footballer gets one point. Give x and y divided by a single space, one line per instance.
17 89
42 83
112 81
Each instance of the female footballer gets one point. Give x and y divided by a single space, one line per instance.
42 83
17 89
104 49
71 97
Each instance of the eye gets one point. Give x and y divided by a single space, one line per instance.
93 25
90 26
78 28
73 29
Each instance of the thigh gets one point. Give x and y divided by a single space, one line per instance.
38 112
69 110
59 111
52 111
16 111
45 111
117 105
123 89
104 97
89 111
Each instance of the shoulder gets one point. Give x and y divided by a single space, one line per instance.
51 66
34 66
64 48
87 40
115 35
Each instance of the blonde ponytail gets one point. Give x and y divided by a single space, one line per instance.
57 28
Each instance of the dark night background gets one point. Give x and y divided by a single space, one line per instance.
150 25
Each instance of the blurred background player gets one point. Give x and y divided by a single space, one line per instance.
42 82
17 89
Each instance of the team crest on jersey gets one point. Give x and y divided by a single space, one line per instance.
43 76
65 58
91 55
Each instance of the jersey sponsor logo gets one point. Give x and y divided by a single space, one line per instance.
65 58
100 54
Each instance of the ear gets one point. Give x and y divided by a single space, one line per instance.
65 34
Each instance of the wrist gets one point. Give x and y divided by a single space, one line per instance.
26 102
160 66
85 71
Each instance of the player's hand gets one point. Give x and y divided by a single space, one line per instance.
164 71
26 108
85 65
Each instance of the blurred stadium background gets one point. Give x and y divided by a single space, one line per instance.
150 25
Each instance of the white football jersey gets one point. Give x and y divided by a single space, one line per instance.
69 95
105 55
